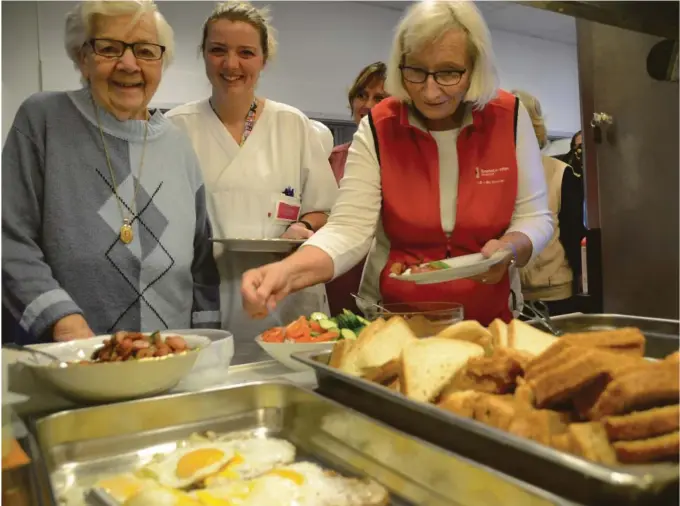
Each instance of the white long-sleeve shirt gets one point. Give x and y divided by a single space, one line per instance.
355 219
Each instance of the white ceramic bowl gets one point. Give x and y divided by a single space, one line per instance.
113 381
282 351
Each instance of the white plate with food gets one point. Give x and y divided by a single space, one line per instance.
126 365
450 269
275 245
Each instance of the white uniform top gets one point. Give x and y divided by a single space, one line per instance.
355 221
244 184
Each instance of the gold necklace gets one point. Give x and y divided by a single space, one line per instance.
126 234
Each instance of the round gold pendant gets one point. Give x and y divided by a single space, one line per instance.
126 234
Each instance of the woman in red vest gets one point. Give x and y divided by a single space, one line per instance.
449 165
367 91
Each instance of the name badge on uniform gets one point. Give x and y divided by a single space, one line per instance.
287 209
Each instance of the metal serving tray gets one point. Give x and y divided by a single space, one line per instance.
563 474
663 336
275 245
76 446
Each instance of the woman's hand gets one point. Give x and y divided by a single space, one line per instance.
496 272
297 231
263 288
71 327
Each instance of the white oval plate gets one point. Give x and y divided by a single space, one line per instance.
462 267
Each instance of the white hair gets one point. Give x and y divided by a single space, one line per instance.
325 136
533 107
424 23
79 23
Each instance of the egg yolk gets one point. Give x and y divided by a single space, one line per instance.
120 488
293 476
196 460
227 471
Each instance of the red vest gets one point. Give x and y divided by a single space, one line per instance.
487 190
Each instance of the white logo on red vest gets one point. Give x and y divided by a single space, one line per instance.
491 176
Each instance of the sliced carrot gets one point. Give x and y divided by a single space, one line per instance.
298 328
275 335
316 327
328 336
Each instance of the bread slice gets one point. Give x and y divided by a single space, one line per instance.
340 351
428 365
376 348
655 449
499 333
524 337
589 440
469 330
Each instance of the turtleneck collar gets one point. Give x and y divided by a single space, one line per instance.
129 130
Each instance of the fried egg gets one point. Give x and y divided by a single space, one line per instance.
188 465
164 497
253 457
123 486
301 484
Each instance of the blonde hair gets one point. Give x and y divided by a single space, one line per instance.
424 23
258 18
80 22
533 107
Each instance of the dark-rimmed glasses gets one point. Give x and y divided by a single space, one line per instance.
416 75
110 48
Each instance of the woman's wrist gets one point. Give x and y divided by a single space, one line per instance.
520 247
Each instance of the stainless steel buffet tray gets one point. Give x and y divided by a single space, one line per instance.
561 473
77 445
276 245
663 336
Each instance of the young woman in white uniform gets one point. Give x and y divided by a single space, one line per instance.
265 170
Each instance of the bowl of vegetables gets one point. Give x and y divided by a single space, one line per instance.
318 332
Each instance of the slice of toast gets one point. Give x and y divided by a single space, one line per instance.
643 424
375 348
627 340
340 351
461 403
469 330
499 333
655 449
524 337
428 365
589 440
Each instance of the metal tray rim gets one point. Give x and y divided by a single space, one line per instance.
642 477
589 316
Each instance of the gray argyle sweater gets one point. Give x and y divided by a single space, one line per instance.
61 252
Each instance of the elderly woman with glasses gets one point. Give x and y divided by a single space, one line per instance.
104 222
447 166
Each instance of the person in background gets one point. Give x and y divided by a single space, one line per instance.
549 277
367 90
572 228
447 166
266 172
104 222
575 155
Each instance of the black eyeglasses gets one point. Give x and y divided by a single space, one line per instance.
110 48
443 77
